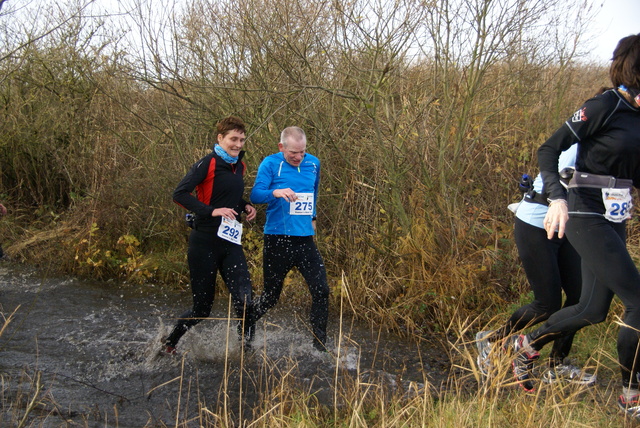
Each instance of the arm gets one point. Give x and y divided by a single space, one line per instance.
183 194
584 123
249 210
548 155
316 188
261 193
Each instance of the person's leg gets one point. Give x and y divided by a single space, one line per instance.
611 263
312 268
593 307
569 265
202 271
276 263
587 238
235 274
539 256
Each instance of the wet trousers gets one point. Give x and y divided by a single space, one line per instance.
551 266
207 255
281 254
607 270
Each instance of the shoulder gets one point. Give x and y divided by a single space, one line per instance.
268 165
607 101
312 159
270 160
597 110
204 162
273 160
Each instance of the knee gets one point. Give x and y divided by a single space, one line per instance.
268 300
596 318
543 310
201 312
320 291
549 308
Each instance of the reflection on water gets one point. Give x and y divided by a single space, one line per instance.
95 346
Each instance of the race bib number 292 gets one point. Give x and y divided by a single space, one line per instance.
230 230
617 203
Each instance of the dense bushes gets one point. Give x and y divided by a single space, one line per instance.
423 129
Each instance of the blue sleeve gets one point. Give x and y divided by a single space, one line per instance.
316 188
261 193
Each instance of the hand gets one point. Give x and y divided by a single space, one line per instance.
288 194
3 210
556 218
224 212
251 212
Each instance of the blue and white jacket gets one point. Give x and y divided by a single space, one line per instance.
276 173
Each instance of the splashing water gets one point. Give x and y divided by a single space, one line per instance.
97 347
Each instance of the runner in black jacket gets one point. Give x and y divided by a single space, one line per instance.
214 244
607 128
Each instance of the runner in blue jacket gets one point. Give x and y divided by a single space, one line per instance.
288 183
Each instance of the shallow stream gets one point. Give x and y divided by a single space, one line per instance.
87 352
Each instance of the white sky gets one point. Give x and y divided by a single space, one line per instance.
615 19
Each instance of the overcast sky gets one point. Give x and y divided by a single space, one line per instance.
615 20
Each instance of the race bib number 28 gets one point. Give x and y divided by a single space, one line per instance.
230 230
303 205
617 203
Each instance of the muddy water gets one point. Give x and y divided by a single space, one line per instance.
88 352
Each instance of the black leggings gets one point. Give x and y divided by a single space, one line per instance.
607 269
281 254
551 266
206 255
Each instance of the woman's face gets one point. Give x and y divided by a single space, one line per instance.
232 142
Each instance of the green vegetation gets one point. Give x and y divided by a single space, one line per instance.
424 117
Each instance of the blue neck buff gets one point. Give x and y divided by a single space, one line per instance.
635 94
224 155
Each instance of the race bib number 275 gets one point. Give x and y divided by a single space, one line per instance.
303 205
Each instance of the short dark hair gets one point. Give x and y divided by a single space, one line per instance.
625 65
229 124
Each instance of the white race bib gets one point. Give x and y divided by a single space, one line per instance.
617 203
303 205
230 230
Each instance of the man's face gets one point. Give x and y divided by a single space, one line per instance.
294 151
232 142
